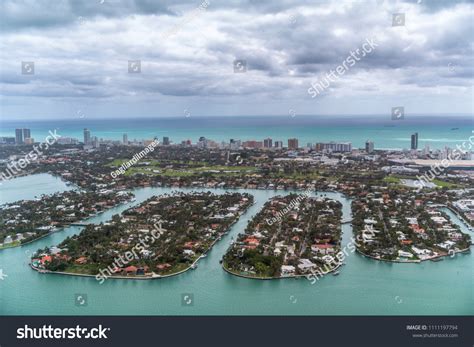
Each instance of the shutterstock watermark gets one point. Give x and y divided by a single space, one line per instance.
121 170
14 168
48 332
439 167
319 86
332 263
128 256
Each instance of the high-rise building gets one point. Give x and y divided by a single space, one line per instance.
29 141
235 144
166 140
203 142
414 141
268 143
26 134
125 139
94 141
278 144
87 136
334 147
293 143
369 146
18 136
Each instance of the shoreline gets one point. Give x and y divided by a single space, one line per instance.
43 271
441 257
276 278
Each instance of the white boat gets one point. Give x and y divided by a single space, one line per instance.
335 273
194 266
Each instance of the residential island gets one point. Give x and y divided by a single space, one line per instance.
287 242
405 226
28 220
163 236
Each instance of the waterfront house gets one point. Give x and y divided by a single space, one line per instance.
322 249
46 259
305 264
403 254
446 244
81 260
131 270
421 252
162 267
188 252
252 241
287 270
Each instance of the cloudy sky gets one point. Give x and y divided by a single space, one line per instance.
187 49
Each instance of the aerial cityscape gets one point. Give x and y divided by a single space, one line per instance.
247 172
415 230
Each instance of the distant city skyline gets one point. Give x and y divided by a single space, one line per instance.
385 132
127 59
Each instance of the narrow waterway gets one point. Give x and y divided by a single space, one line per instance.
364 286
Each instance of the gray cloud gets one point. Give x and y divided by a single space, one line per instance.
81 49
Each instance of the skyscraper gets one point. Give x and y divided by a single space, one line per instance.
414 141
369 146
166 140
293 143
87 136
94 142
26 134
18 136
278 144
125 139
268 143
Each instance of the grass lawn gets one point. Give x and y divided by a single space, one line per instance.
443 184
184 172
10 245
391 179
87 269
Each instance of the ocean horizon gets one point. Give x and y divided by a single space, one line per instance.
436 131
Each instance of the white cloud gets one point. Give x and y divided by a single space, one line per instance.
81 53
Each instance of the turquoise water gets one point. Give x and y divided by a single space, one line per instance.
435 131
364 287
31 187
